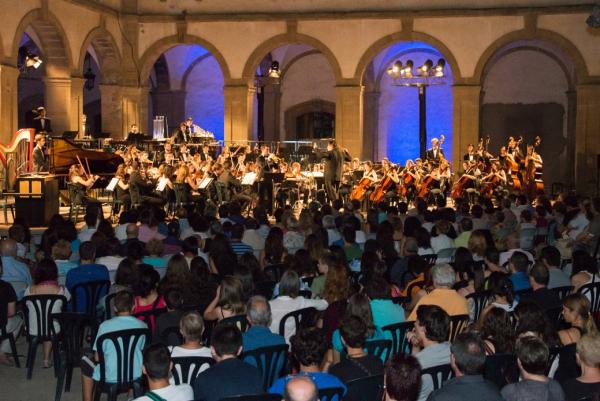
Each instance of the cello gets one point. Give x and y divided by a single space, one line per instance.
359 192
382 188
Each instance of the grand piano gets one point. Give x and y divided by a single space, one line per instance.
64 152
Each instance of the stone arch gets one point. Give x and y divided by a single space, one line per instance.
288 38
389 40
109 57
296 58
191 67
314 105
379 76
54 42
553 38
159 47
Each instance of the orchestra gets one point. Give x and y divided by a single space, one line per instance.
183 172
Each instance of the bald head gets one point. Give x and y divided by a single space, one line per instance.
8 247
301 388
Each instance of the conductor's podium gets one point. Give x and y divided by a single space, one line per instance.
37 199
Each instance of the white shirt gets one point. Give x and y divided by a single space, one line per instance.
577 225
442 241
182 392
186 352
111 262
121 232
253 238
505 256
333 235
284 304
86 234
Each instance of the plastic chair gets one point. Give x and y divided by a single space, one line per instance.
365 388
480 301
458 324
430 259
398 334
306 294
71 337
257 397
4 335
92 292
171 336
75 205
446 254
43 307
5 205
125 343
527 238
265 288
302 318
274 272
108 305
382 349
439 375
592 292
331 394
269 360
149 317
562 292
501 369
240 321
186 369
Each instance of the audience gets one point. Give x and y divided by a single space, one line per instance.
9 320
87 271
588 358
13 271
402 378
258 313
300 388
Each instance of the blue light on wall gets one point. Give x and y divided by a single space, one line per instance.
399 106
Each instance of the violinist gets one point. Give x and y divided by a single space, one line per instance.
233 185
445 175
81 183
169 155
165 186
140 187
390 170
204 153
181 134
182 180
184 153
121 192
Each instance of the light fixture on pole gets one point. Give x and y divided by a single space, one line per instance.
271 78
27 59
425 75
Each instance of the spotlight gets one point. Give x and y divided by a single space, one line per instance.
439 68
395 69
424 69
407 70
274 71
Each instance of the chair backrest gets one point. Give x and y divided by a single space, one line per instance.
365 388
73 192
240 321
446 253
302 318
72 333
430 259
554 316
592 292
43 308
526 238
108 305
149 317
256 397
480 301
382 349
523 293
306 294
412 285
439 375
269 360
171 336
331 394
265 288
125 344
562 292
501 369
401 300
90 292
186 369
274 272
457 325
398 333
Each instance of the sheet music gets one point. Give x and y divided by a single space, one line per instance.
249 179
162 183
112 184
205 183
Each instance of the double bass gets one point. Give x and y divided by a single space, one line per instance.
535 184
513 165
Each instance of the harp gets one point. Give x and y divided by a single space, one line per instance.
16 157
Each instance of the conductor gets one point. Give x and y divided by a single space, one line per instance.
334 161
40 160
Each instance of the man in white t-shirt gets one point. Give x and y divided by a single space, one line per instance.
157 365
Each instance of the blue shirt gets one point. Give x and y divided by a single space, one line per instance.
119 323
13 270
240 248
259 337
520 281
64 266
386 312
321 380
155 262
336 339
83 274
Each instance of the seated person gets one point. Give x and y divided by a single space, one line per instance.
9 319
191 328
87 271
170 319
357 364
532 358
146 293
258 313
157 368
229 376
588 357
308 348
402 378
123 320
300 388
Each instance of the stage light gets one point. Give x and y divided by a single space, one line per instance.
439 68
395 69
274 71
424 69
407 70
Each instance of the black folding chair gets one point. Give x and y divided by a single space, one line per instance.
501 369
239 321
398 333
274 272
331 394
43 307
302 318
430 259
171 336
108 305
91 292
186 369
365 388
269 360
458 324
125 343
562 292
70 339
382 349
592 292
439 375
265 288
480 301
257 397
5 335
149 317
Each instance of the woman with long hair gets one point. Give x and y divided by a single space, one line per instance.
577 312
337 284
503 295
497 332
477 245
274 251
228 302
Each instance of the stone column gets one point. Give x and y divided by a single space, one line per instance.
58 103
349 118
371 125
123 106
77 105
8 103
271 112
239 100
111 100
171 104
571 115
465 125
587 147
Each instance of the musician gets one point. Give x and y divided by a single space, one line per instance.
134 134
534 164
469 158
81 183
191 128
181 135
496 172
184 153
40 160
295 184
121 191
514 150
435 153
185 183
204 153
410 177
233 185
165 186
142 187
265 164
169 155
42 123
334 160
